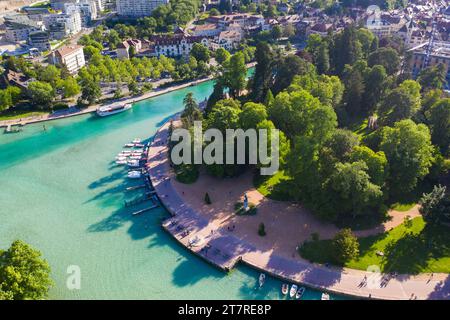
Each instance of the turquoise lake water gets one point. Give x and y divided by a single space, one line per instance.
62 194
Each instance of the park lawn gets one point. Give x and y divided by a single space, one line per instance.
402 207
359 127
416 249
275 187
12 115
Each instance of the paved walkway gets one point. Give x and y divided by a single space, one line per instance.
203 232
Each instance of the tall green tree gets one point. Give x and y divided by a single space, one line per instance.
41 94
24 275
409 152
345 245
191 111
432 77
387 57
234 74
439 121
435 206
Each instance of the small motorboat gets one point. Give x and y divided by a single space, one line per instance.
136 141
121 162
284 288
293 291
138 150
262 278
135 157
138 145
134 174
133 163
300 293
325 296
121 158
129 145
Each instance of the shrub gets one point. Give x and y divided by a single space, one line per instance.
345 246
315 236
262 230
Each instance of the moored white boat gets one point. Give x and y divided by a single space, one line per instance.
112 109
133 163
284 288
137 140
129 145
262 278
121 162
293 291
134 174
325 296
300 293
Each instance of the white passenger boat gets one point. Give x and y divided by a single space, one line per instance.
325 296
300 293
284 288
293 291
112 109
262 278
134 174
133 163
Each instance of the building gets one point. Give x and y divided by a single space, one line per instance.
39 40
176 45
440 54
123 49
71 22
137 8
206 30
59 4
86 8
321 29
229 39
12 78
18 27
72 57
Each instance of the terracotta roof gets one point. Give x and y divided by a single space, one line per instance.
66 50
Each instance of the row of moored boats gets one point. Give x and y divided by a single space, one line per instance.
294 291
132 157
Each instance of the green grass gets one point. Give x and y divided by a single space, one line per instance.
17 114
275 187
359 127
186 173
239 209
402 207
417 249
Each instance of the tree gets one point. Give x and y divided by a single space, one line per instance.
50 74
113 39
439 121
23 273
289 31
252 114
262 78
345 49
354 90
276 32
191 111
200 52
234 74
222 55
9 97
435 206
70 87
375 86
341 143
409 152
401 103
432 77
286 69
323 59
225 115
377 166
41 94
345 245
355 193
214 12
215 96
387 57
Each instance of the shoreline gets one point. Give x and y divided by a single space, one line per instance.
341 281
92 108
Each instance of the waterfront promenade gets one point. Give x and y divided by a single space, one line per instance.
205 230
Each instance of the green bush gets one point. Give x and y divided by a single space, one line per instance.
60 106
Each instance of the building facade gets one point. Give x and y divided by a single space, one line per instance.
137 8
72 57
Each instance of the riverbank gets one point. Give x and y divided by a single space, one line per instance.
205 231
92 108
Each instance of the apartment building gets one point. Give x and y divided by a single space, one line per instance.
39 40
18 27
138 8
71 22
72 57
